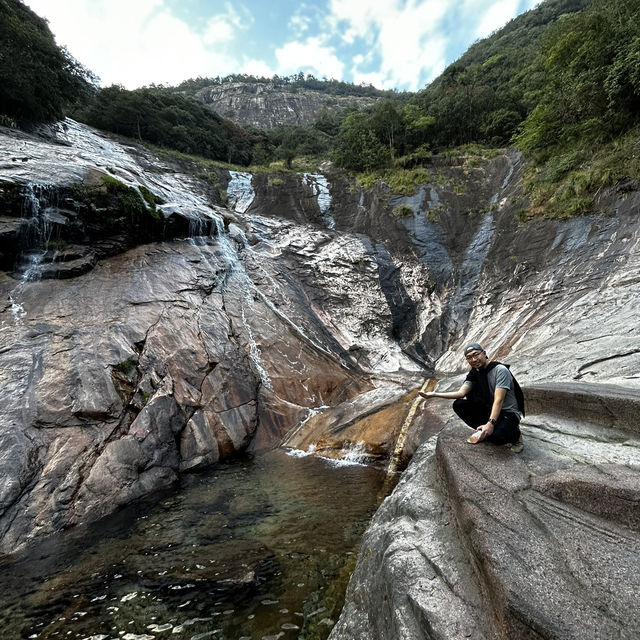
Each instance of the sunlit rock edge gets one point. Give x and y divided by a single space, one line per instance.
479 542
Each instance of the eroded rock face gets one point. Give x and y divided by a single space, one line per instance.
169 356
310 312
265 106
160 360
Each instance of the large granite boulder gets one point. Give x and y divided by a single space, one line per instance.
479 542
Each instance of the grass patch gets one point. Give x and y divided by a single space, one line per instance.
56 245
405 181
125 367
399 181
274 181
367 180
422 155
566 183
433 214
402 211
150 198
475 149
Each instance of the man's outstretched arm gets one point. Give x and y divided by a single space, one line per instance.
451 395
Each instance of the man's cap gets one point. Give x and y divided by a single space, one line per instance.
472 346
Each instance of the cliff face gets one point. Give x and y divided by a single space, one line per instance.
265 106
308 312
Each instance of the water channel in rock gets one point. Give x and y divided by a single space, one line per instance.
259 548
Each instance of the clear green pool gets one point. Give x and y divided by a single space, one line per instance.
259 548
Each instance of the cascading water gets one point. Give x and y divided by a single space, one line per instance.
225 251
240 192
35 231
34 237
474 259
320 187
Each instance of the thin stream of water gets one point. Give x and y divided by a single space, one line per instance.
258 549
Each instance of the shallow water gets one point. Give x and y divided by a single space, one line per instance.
259 548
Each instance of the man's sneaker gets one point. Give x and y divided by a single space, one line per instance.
516 447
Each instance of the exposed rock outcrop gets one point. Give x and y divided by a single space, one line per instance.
309 312
479 542
265 105
166 356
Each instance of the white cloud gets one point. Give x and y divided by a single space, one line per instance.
375 79
495 16
132 43
405 35
224 26
400 44
257 68
299 24
311 56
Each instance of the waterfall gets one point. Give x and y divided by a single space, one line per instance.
320 187
35 230
34 236
225 250
355 453
240 193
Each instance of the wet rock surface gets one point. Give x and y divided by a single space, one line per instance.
479 542
308 313
166 357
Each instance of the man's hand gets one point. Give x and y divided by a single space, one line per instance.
481 433
427 394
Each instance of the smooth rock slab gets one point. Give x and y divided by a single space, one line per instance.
479 542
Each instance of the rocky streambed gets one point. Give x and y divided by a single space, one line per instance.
160 319
250 549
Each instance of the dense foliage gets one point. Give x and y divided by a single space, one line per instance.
485 95
482 98
591 88
163 117
584 132
38 79
159 116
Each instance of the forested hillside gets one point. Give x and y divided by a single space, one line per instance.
292 83
39 81
561 81
168 119
481 98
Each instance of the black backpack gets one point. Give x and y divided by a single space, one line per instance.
480 388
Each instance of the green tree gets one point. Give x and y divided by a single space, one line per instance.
39 81
591 90
358 147
486 94
387 124
163 117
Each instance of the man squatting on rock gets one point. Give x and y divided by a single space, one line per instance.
487 400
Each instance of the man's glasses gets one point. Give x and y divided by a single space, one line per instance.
473 356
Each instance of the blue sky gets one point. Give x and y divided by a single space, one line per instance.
391 44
